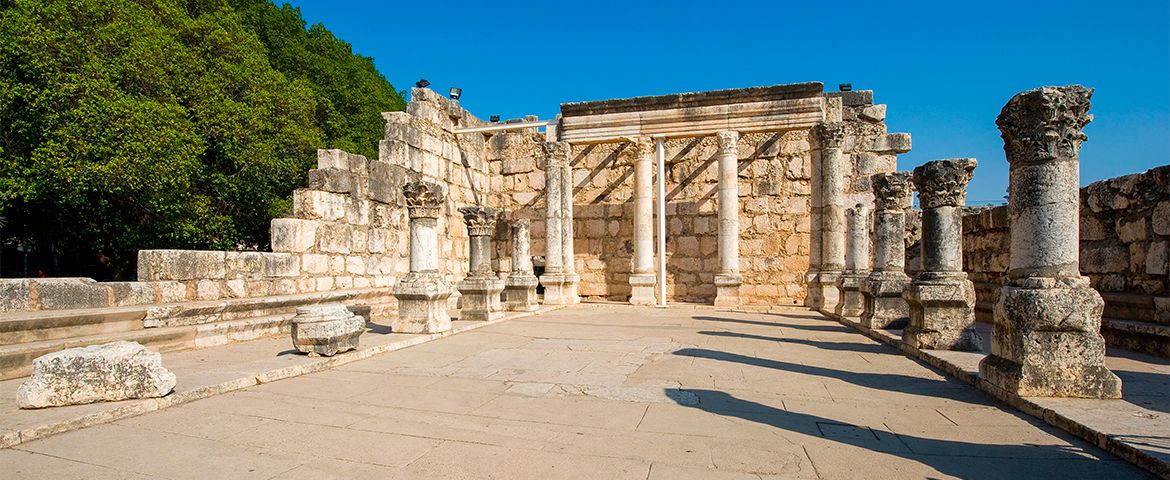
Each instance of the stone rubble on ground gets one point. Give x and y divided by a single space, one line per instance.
99 373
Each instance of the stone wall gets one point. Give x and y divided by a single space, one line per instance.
1125 235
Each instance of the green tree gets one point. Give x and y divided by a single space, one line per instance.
138 124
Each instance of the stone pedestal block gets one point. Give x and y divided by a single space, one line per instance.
727 289
1046 342
829 292
520 293
942 314
642 289
99 373
422 304
326 329
812 281
569 288
554 289
852 303
884 305
481 298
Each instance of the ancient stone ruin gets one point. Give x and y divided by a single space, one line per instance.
97 373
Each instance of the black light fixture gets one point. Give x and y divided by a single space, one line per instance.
422 83
455 93
494 118
845 87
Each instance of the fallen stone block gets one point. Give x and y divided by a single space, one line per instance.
326 329
98 373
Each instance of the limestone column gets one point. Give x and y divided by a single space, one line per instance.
1046 339
642 278
884 305
833 172
570 260
941 298
553 278
520 286
422 294
812 278
852 303
481 288
728 280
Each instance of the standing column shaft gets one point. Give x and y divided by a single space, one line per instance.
642 278
520 286
481 288
553 259
882 289
422 294
831 136
852 303
569 264
728 280
556 273
812 297
1046 340
941 299
521 248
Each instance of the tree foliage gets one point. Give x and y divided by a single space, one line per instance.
132 124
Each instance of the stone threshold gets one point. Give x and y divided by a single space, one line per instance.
1116 426
207 372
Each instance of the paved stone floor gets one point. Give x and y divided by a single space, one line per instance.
598 392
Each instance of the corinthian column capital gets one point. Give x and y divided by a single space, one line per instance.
892 190
943 183
830 134
423 199
481 221
1045 124
728 141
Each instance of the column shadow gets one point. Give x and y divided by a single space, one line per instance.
827 327
837 346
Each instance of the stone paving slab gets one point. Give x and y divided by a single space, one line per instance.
1136 427
206 372
685 393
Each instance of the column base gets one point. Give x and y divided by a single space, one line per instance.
727 289
942 313
830 294
1046 341
642 289
520 293
852 303
481 298
554 289
884 306
422 304
812 297
570 287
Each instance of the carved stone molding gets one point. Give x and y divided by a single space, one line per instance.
1045 124
892 190
423 199
830 134
943 183
728 142
481 221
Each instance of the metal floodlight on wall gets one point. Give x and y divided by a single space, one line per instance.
455 93
494 118
845 87
422 83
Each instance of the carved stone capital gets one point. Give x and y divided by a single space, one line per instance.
942 183
640 147
892 190
423 199
481 221
1045 124
728 142
830 134
556 153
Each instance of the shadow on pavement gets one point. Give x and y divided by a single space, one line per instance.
834 327
838 346
950 457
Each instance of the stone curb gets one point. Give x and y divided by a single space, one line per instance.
139 407
1108 442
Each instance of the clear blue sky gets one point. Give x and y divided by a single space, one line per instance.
944 68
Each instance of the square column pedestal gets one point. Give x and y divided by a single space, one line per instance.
828 291
520 293
555 292
727 289
1046 341
422 304
942 314
642 288
852 302
481 298
884 305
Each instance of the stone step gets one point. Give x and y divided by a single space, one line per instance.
1136 336
23 327
242 330
16 360
207 312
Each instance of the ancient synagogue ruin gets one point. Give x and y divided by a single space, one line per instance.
748 198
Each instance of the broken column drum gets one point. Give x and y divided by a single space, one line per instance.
643 278
554 277
1046 340
831 136
852 303
520 286
728 280
481 288
326 329
941 298
422 294
882 290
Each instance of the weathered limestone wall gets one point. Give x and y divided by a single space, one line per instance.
1125 238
